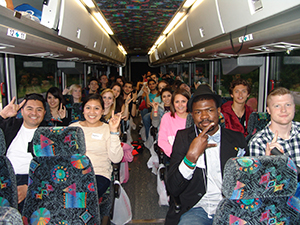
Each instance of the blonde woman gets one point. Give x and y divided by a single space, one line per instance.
109 104
73 96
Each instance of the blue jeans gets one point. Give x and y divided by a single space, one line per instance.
196 216
147 123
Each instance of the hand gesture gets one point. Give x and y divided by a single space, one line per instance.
199 144
66 91
196 84
62 111
273 144
11 109
114 122
128 99
145 89
154 105
134 96
22 192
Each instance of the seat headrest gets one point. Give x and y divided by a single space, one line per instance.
2 143
59 141
259 177
257 121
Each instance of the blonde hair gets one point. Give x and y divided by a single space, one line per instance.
73 87
112 107
278 92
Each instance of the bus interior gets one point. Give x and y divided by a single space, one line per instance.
45 43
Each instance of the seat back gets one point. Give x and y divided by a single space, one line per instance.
257 121
63 141
10 216
259 190
8 183
61 185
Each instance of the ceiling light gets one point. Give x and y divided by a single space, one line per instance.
89 3
160 40
103 23
121 48
188 3
174 21
152 50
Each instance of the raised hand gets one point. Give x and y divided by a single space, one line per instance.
66 91
114 122
128 99
145 89
11 109
199 145
274 144
62 111
154 105
196 84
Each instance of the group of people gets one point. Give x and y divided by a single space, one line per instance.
197 154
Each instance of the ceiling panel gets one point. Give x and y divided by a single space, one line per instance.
138 23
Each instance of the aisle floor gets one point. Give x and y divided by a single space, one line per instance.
141 190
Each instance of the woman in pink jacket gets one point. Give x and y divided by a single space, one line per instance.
173 121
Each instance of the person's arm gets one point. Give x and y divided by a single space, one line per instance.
133 107
154 112
125 107
9 4
22 192
115 151
11 110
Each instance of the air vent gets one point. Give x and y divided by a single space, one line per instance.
275 47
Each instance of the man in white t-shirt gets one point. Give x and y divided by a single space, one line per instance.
18 136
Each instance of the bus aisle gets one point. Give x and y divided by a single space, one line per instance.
141 190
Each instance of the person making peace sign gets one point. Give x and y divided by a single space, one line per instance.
198 159
18 134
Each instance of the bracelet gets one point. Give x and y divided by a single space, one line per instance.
116 133
134 103
155 111
188 162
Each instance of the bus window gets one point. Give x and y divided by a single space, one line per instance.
284 72
34 75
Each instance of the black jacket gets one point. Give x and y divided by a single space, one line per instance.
191 191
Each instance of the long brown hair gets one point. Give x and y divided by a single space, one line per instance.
182 92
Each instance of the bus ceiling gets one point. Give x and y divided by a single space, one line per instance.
208 30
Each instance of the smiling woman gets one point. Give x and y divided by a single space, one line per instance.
102 144
173 121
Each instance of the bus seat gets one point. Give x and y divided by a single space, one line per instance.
61 182
10 215
259 190
8 190
257 121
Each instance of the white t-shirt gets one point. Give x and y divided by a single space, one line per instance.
18 153
3 3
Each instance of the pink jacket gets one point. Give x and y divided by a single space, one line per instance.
167 131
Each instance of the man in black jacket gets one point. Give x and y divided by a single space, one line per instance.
18 135
197 161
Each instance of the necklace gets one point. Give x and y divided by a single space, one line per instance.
239 115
